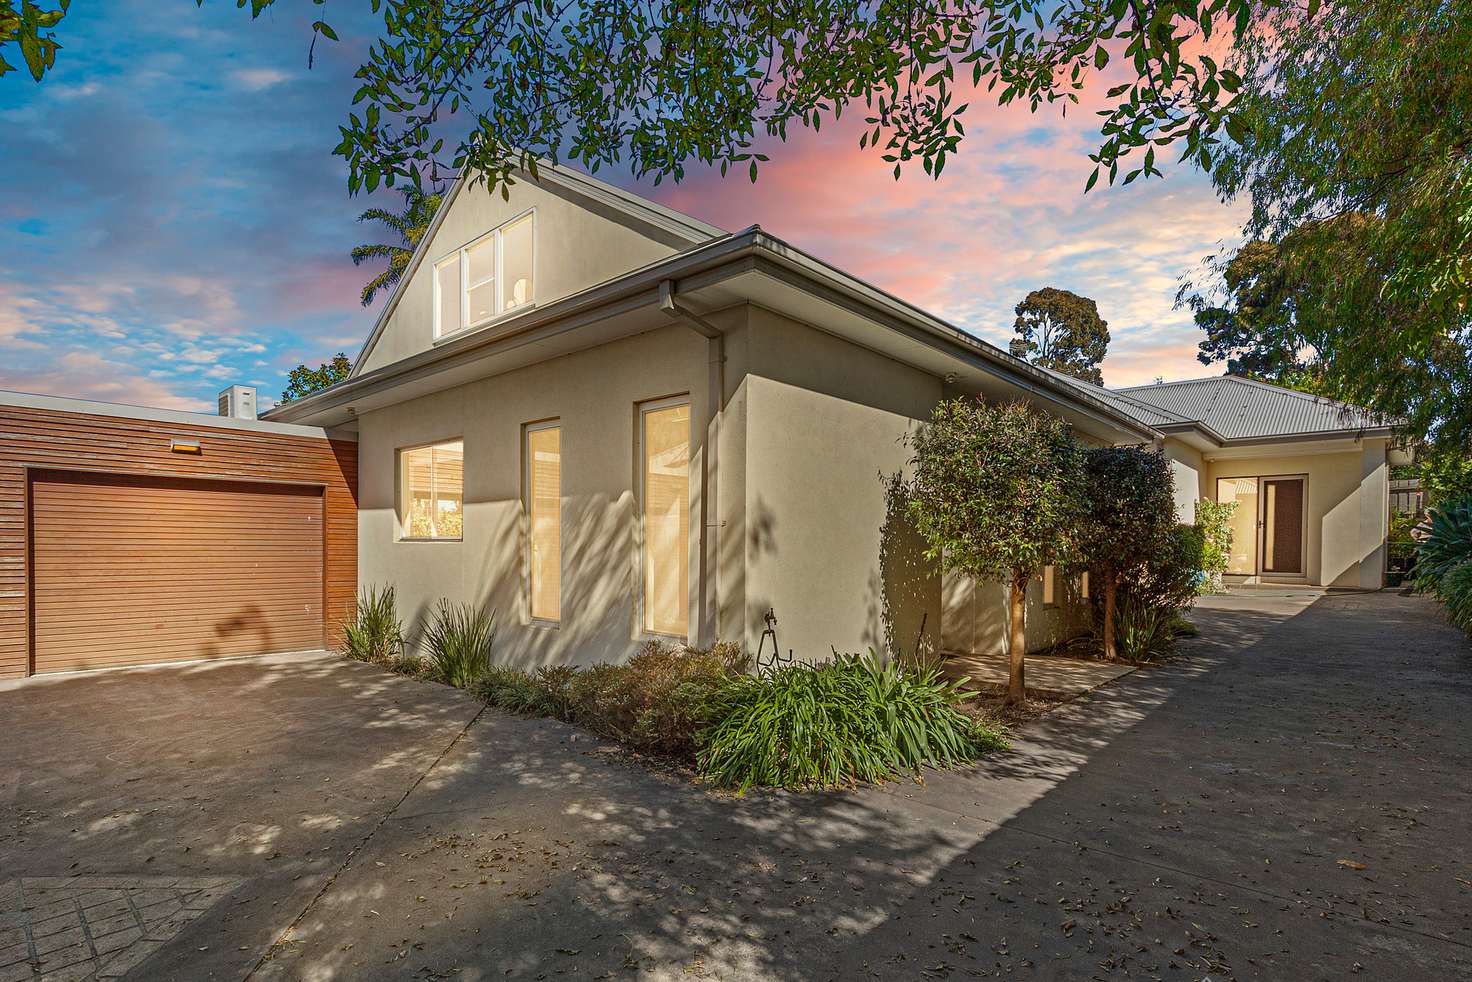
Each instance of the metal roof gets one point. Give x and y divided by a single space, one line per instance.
1244 409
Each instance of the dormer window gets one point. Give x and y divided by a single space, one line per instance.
487 278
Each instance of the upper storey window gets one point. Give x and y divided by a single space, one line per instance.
487 278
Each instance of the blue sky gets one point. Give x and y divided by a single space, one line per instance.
172 220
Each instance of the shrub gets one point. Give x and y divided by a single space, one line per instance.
1447 545
1171 578
1143 631
1214 519
656 702
833 725
1455 590
459 639
373 633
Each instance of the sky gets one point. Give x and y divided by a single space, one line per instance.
172 220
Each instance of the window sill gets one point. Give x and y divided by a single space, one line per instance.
499 319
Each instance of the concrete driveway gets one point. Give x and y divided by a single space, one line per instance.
1289 802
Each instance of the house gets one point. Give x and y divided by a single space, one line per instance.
611 422
1310 476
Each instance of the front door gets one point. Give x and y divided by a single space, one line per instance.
1282 501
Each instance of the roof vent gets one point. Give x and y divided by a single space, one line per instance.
238 402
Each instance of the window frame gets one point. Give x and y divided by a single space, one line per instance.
401 491
461 254
641 410
527 429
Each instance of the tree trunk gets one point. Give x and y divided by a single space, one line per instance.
1017 644
1110 588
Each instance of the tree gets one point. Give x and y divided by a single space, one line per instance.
411 224
1129 516
303 381
995 495
1062 331
665 82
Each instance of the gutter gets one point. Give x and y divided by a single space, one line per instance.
753 246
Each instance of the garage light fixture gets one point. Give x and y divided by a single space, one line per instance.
177 445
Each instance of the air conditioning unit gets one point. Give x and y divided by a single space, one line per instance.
238 402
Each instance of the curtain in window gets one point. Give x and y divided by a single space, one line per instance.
544 508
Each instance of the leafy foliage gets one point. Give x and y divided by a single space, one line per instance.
997 489
996 494
1171 578
459 639
1144 632
411 225
833 725
374 632
303 381
657 702
1447 546
1127 519
1214 519
29 27
1062 331
1455 591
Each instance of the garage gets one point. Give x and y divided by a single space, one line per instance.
133 570
134 536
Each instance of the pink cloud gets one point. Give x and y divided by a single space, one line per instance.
86 375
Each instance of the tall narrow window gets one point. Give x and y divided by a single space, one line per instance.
447 295
664 446
432 491
1049 586
544 512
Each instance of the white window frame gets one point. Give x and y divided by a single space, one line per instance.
401 491
644 408
526 484
462 253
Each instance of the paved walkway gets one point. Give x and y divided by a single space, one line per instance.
1046 676
1289 802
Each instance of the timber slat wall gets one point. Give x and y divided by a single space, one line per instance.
50 440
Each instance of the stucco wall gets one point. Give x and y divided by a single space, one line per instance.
1188 473
1346 508
975 615
827 543
576 247
595 395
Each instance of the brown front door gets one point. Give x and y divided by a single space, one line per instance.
1282 525
129 570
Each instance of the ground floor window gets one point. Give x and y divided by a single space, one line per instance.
432 491
544 515
664 454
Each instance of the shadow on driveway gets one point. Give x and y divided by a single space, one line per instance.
1289 801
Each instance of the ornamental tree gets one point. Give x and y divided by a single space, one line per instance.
996 495
1128 517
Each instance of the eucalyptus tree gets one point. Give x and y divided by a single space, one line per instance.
996 494
1061 330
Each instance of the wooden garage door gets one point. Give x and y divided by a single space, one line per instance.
128 570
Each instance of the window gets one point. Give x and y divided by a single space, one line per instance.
1083 585
664 452
544 515
487 278
1049 596
432 491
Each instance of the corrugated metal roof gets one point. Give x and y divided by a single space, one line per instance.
1244 409
1233 407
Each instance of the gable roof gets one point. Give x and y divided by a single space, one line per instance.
684 229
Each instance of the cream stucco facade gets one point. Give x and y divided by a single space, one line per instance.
802 384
